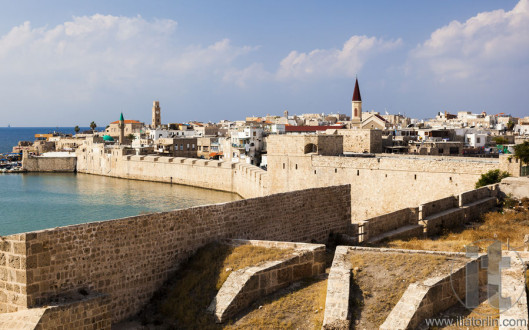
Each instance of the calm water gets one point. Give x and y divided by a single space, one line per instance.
9 137
31 202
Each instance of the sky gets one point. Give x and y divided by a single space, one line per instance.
67 63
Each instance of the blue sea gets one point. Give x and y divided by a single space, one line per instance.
33 201
9 136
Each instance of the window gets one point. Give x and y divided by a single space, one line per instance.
284 165
296 166
193 146
254 133
182 146
311 147
478 140
188 146
441 150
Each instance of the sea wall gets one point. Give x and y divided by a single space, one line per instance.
49 164
130 258
246 180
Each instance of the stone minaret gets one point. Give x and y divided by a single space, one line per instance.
356 105
156 116
121 129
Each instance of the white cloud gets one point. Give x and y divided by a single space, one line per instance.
477 47
334 62
318 63
105 52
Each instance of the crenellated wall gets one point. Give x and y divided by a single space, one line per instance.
246 180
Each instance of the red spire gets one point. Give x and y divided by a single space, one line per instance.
356 93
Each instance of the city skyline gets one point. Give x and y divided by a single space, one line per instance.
68 66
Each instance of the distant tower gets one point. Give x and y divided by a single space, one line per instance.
285 114
156 116
356 105
121 129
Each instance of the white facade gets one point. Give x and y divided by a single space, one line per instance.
155 134
476 140
521 129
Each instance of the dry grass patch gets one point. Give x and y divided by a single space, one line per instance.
511 225
300 306
380 279
182 303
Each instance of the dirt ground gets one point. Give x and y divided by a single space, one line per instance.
380 279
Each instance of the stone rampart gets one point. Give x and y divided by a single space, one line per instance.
437 206
130 258
384 223
89 312
337 314
49 164
337 305
376 180
454 211
469 197
428 298
246 180
244 286
13 277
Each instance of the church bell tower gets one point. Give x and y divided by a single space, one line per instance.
356 115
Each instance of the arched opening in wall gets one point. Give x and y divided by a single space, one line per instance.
311 147
296 166
357 172
356 112
283 165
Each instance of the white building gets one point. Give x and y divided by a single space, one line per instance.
476 140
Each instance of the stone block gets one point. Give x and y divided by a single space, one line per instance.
302 271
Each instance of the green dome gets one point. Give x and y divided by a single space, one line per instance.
108 138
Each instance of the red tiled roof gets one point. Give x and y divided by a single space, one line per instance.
310 128
381 118
127 121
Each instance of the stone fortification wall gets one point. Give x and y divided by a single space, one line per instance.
437 206
13 280
49 164
246 180
130 258
427 298
436 215
375 181
384 223
246 285
361 140
87 312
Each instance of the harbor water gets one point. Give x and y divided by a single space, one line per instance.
31 201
